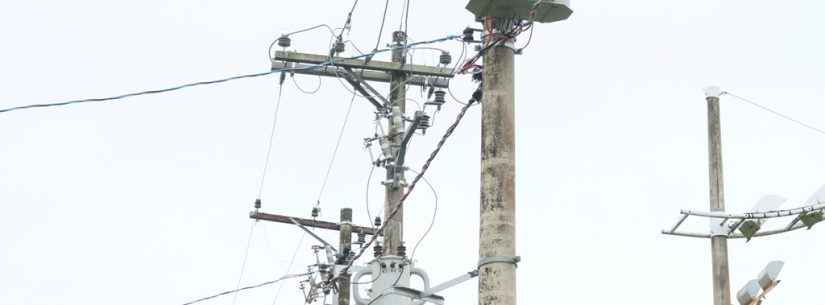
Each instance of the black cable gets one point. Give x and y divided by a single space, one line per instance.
117 97
383 21
529 39
432 221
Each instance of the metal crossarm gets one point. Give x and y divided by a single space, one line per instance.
740 219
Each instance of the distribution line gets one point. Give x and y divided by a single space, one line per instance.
243 264
335 150
432 222
269 143
285 277
781 115
222 80
289 267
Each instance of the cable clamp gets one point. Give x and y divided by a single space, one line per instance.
513 260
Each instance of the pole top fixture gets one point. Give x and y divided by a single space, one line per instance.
713 91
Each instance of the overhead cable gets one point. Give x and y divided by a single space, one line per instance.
222 80
432 221
285 277
335 150
243 264
271 138
777 113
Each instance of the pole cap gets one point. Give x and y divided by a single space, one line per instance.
713 91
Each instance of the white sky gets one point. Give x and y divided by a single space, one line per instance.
145 200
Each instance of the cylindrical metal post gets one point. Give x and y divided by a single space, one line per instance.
719 242
394 231
497 236
345 241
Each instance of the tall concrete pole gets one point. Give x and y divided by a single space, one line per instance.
719 241
345 244
394 186
497 236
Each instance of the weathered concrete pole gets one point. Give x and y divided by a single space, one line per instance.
394 231
719 241
497 236
345 244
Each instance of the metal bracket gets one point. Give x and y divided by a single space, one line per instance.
513 260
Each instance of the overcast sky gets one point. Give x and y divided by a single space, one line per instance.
145 200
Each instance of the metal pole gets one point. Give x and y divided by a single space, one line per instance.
345 240
394 186
719 241
497 281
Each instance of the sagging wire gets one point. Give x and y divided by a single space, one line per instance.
317 88
271 45
435 212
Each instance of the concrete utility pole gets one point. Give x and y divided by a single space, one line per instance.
497 237
719 239
345 244
395 184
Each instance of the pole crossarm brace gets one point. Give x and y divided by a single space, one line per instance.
365 89
312 234
722 218
309 222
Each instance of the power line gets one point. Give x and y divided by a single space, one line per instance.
285 277
781 115
289 267
243 264
432 222
271 137
335 150
383 21
222 80
117 97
